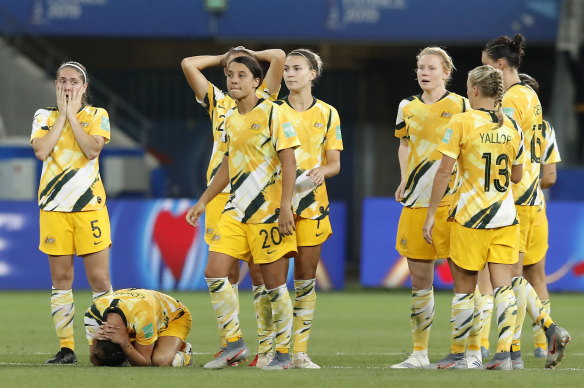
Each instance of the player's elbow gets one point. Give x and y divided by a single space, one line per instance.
548 181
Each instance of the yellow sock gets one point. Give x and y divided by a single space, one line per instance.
97 295
224 303
282 317
461 318
63 310
539 338
506 307
487 314
518 284
263 312
474 337
304 305
422 317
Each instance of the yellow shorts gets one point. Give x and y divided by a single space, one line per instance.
78 233
410 238
310 233
263 242
213 212
180 327
472 248
526 216
538 244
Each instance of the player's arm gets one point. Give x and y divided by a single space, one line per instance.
402 156
192 67
276 59
286 223
91 145
516 173
439 187
328 170
549 175
43 146
218 183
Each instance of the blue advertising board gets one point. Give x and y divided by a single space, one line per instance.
371 20
382 266
153 247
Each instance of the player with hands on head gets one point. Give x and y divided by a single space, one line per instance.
74 220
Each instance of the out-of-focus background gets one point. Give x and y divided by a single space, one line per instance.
154 167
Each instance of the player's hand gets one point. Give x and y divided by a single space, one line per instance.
286 224
61 99
399 193
116 334
75 100
195 213
316 175
427 229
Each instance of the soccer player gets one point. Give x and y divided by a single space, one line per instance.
318 127
68 138
421 121
258 144
218 103
143 327
489 151
521 103
534 260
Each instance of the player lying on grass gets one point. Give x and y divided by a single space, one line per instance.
143 327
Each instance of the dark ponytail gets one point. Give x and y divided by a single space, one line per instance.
512 50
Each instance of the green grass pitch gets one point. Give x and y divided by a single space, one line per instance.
357 334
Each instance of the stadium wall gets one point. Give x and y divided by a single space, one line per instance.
153 247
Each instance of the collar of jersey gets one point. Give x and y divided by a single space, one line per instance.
255 106
287 101
419 96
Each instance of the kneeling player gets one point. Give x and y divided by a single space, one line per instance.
144 327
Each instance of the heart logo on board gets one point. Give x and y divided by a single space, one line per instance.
174 238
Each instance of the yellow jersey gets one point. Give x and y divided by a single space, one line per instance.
251 142
521 103
69 181
485 154
145 312
551 153
217 103
423 125
319 130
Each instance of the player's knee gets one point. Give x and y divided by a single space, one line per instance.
159 359
62 280
99 282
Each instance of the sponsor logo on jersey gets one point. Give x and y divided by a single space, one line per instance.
148 331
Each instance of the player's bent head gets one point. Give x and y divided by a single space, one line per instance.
108 354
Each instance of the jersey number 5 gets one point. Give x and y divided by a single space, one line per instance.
502 160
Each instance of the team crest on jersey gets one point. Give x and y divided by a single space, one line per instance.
50 240
255 126
318 124
403 242
446 115
84 124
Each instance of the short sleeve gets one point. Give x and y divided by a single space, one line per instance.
145 326
401 128
551 153
209 102
40 124
452 139
91 326
263 92
520 154
282 130
334 136
100 125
